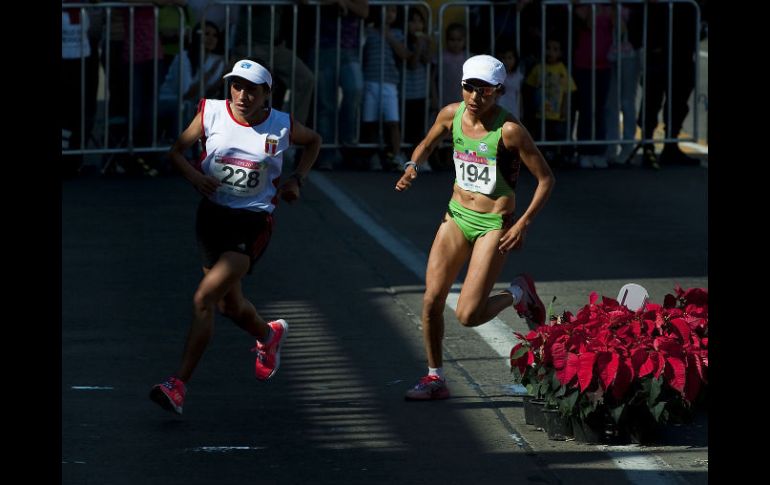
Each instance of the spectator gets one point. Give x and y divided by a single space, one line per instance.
381 80
624 56
511 98
592 76
416 89
343 116
452 59
262 21
215 13
168 32
655 77
77 51
189 68
552 99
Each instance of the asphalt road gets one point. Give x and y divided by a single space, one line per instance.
335 412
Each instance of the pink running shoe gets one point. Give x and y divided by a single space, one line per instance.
169 394
427 389
269 355
530 307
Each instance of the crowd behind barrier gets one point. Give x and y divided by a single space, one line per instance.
371 77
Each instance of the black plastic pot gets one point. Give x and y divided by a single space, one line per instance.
586 432
558 427
533 410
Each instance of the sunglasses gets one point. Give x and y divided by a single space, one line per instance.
482 90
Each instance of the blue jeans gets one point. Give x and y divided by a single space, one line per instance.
629 82
591 111
351 81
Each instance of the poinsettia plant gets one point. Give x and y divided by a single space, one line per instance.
610 359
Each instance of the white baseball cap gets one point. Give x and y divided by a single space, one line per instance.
485 68
251 71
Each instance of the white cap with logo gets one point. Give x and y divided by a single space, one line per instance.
252 72
485 68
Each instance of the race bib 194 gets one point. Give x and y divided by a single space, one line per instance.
240 177
474 173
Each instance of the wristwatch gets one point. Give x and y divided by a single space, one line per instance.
410 164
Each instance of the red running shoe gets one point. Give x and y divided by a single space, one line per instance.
429 388
269 355
169 394
530 307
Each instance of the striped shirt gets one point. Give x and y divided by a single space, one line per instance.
373 50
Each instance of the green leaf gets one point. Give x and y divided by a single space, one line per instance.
617 412
562 390
549 312
567 403
657 410
555 383
531 389
654 391
522 350
586 408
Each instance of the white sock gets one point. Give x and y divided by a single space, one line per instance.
517 293
436 371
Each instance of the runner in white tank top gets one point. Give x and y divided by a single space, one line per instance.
238 175
246 159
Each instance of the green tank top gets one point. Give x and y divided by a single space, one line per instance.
484 165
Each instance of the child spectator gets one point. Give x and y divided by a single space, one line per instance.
554 95
593 37
511 99
381 79
416 86
624 55
450 79
452 59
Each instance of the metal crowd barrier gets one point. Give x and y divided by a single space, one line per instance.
473 10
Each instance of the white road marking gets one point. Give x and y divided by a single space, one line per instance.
495 333
225 449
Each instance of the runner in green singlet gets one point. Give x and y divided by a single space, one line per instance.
479 226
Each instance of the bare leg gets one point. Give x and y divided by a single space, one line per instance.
449 252
475 306
237 308
216 283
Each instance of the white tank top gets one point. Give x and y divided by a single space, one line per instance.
246 159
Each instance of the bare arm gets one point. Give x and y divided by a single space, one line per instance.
402 52
205 184
421 51
311 143
516 137
422 151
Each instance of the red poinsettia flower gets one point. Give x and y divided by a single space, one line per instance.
607 349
